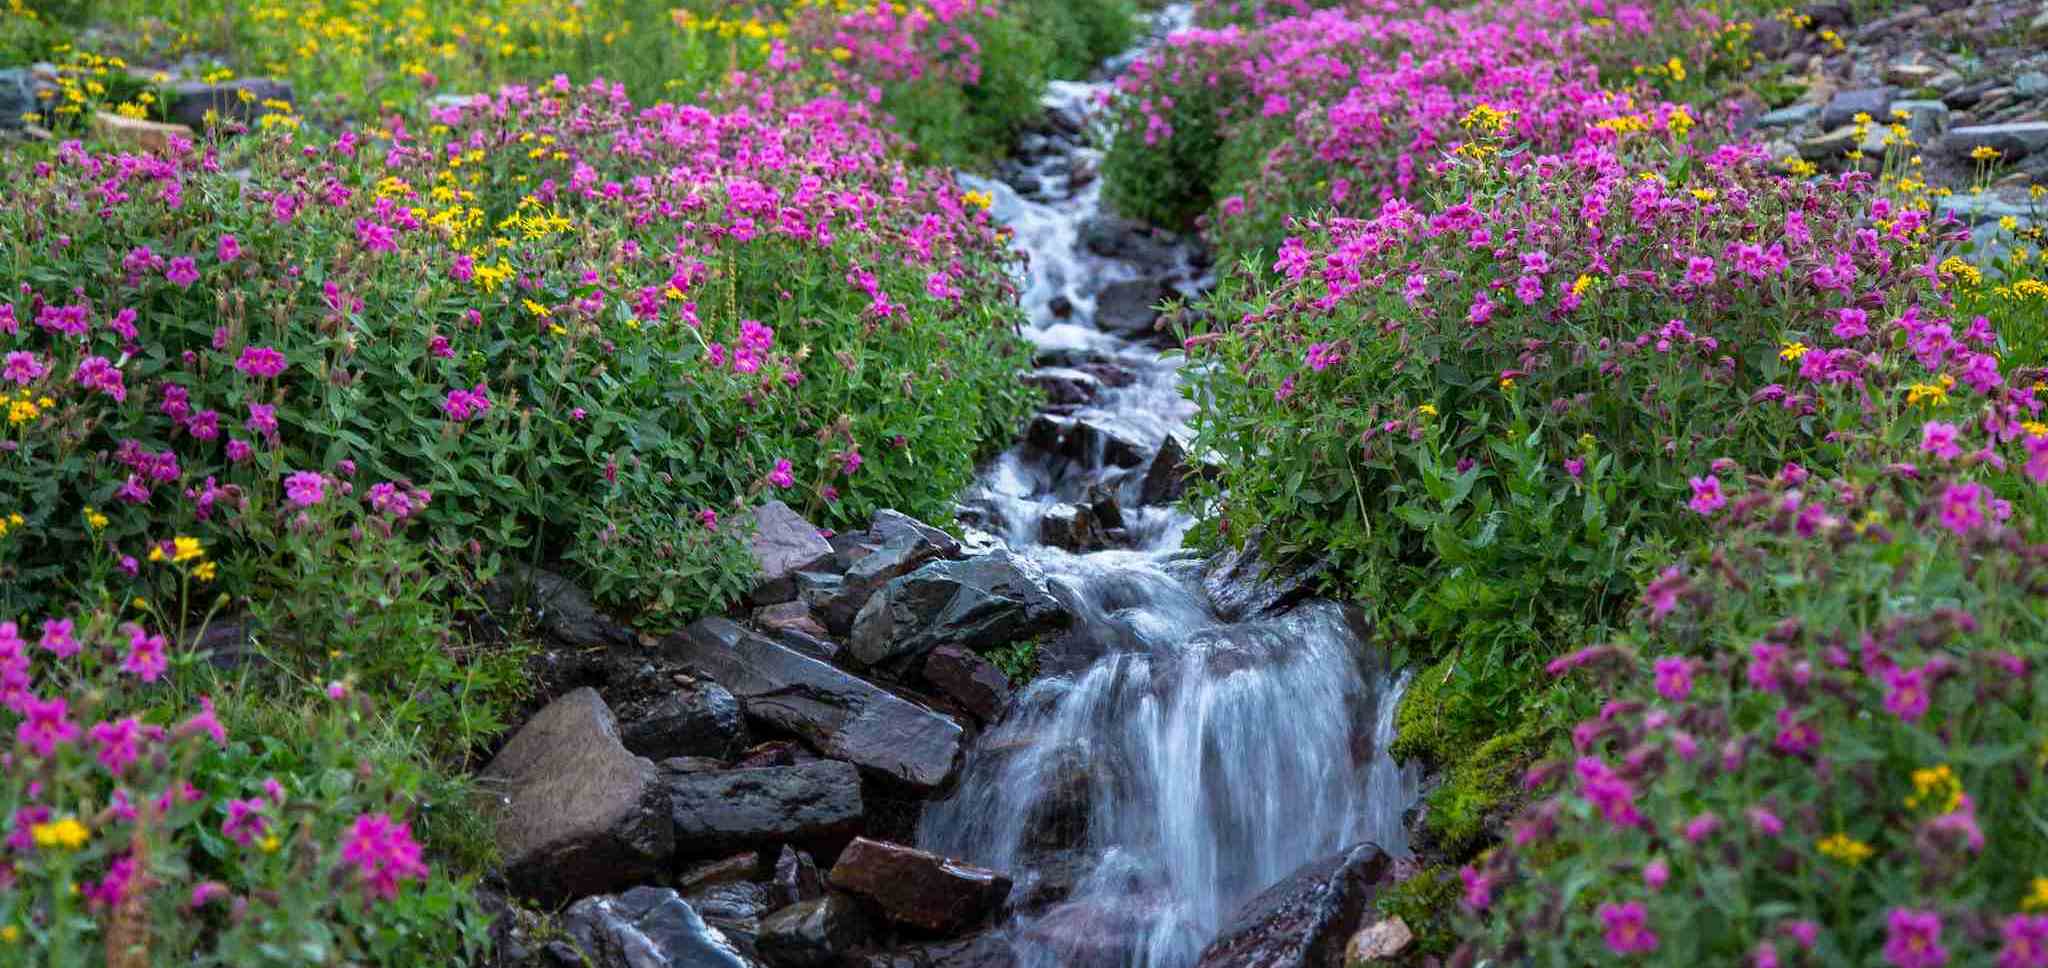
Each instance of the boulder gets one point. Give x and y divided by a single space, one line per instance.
238 100
1241 584
1910 74
918 888
905 545
1071 527
796 877
646 927
891 526
2012 141
1064 386
1167 476
744 866
575 812
970 681
841 715
696 718
1381 941
1127 240
717 813
1305 920
1130 308
736 905
1925 120
990 949
979 602
559 610
784 544
1787 117
1843 108
1094 442
813 934
795 625
137 134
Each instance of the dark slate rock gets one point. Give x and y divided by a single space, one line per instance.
697 718
1305 920
904 551
1130 308
646 927
691 764
744 866
918 888
717 813
1071 527
990 949
796 877
1127 240
1167 476
980 602
187 103
891 525
795 625
843 716
970 681
813 934
1092 441
1845 105
560 610
1064 386
739 905
1968 95
1241 584
784 544
2013 141
576 813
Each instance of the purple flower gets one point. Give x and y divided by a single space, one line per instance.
261 362
305 488
117 744
1321 356
1706 495
1699 271
45 724
1656 874
782 476
1674 678
1851 324
147 658
1478 888
1906 693
2026 941
1913 939
1962 508
710 519
246 823
229 249
1575 466
182 272
262 419
1939 438
1626 928
383 852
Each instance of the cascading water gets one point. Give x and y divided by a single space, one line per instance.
1173 762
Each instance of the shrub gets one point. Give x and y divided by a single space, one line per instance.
140 832
1822 741
748 298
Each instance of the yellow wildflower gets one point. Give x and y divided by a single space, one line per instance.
2036 899
1846 849
977 199
1984 153
94 519
65 834
1792 352
1937 789
1427 410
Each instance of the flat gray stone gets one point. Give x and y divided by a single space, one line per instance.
2012 141
784 544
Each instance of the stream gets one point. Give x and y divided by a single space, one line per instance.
1181 749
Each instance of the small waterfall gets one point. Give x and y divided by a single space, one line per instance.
1171 763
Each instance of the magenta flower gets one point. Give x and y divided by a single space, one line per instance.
1940 439
1478 888
1906 692
23 368
1706 495
1626 928
58 637
229 249
206 892
117 745
305 489
262 420
261 362
1699 271
1575 466
1913 939
147 657
206 722
1662 594
1321 356
710 519
1851 324
1765 822
1674 678
1608 792
1656 874
1962 508
246 823
782 476
182 272
2026 942
465 405
383 852
44 725
850 461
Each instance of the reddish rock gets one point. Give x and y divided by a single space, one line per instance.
918 888
969 680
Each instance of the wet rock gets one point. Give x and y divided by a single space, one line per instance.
1103 504
736 905
1065 387
970 681
1091 441
1097 933
238 100
784 544
906 544
1380 941
840 714
1305 920
646 927
2012 141
744 866
1968 95
2032 84
1841 141
813 934
1130 308
691 764
781 752
137 134
1060 307
1060 808
1909 74
1070 527
1241 584
559 610
1053 878
796 877
1167 476
980 602
716 813
919 888
1843 108
793 624
1110 374
987 950
891 526
1126 240
576 813
1925 120
696 718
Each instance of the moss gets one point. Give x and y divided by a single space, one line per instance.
1479 749
1426 902
1481 787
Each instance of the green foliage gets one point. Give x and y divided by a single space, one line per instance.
1018 660
1427 902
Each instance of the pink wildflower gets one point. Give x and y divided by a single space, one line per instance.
1913 939
384 852
1626 928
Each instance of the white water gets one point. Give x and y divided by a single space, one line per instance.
1138 799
